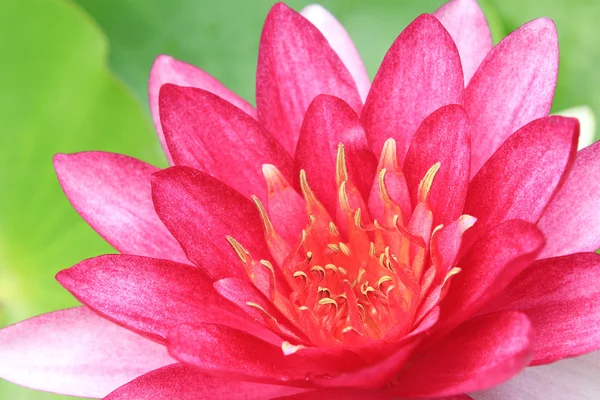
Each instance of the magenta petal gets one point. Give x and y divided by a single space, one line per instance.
521 177
420 73
206 132
169 70
201 212
341 42
75 352
489 266
479 354
112 193
183 382
338 394
296 64
561 297
329 121
513 86
229 352
146 295
571 222
467 25
443 137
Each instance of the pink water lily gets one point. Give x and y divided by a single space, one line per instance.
428 235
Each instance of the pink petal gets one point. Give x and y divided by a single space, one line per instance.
574 378
479 354
341 42
146 295
443 137
571 221
513 86
561 297
169 70
295 64
489 266
75 352
329 121
523 174
206 132
467 25
339 394
183 382
224 351
112 193
201 212
420 73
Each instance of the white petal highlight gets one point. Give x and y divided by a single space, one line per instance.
587 124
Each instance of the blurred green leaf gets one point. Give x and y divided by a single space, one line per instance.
57 96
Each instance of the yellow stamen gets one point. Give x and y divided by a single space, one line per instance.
238 248
267 224
427 181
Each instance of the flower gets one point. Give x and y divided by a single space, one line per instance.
415 238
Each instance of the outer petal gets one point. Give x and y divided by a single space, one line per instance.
201 212
575 378
339 394
420 73
341 42
206 132
571 221
513 86
169 70
295 64
587 122
561 297
467 25
489 266
146 295
479 354
329 121
522 176
112 193
183 382
443 137
75 352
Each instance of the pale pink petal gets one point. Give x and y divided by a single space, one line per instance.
571 222
77 353
169 70
112 193
296 64
513 86
575 378
341 42
183 382
467 25
419 74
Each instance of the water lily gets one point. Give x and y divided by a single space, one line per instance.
425 236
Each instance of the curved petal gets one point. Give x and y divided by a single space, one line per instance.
206 132
77 353
329 121
575 378
513 86
479 354
465 22
420 73
169 70
201 212
341 42
489 266
183 382
241 355
295 64
146 295
443 137
112 193
587 122
519 180
339 394
561 297
571 221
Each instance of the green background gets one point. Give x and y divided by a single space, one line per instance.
73 77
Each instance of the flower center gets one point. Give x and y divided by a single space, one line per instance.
360 279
